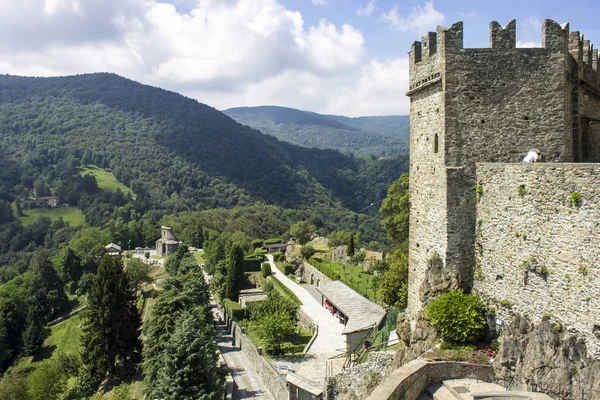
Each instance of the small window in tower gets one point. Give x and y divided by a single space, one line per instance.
435 143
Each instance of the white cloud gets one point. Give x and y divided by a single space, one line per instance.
420 19
224 53
467 15
528 44
367 10
529 30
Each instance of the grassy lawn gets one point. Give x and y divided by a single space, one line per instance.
352 275
199 256
292 346
63 339
72 215
106 180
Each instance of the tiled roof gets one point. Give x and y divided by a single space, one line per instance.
362 313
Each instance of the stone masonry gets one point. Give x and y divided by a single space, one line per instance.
525 237
491 105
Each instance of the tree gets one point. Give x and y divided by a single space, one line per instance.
235 279
5 350
181 294
111 328
6 214
395 211
350 248
70 266
307 251
13 386
47 382
359 257
459 318
302 231
273 328
137 272
35 332
393 286
190 368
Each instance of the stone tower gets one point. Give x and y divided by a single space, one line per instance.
487 105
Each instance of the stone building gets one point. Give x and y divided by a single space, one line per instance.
167 244
526 237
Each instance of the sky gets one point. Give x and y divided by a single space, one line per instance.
344 57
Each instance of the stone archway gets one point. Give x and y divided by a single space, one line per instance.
312 279
318 281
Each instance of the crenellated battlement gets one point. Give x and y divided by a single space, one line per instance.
503 38
427 57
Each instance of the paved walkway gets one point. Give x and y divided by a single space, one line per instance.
250 384
329 342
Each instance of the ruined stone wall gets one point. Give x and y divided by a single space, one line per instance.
536 249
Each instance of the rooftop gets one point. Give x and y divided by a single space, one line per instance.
252 295
362 313
304 384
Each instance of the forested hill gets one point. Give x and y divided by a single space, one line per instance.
172 151
362 136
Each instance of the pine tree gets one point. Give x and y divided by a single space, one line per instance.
71 267
46 288
46 300
111 329
190 365
35 332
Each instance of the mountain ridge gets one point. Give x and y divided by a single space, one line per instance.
362 136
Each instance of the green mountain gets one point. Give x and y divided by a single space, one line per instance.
172 151
362 136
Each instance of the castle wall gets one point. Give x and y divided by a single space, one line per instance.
536 251
427 188
502 102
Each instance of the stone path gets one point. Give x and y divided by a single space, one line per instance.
329 342
250 384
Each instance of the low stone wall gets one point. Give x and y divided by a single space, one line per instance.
310 274
409 381
306 322
359 380
274 384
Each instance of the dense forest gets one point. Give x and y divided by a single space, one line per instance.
363 136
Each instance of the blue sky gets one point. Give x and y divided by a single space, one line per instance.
345 57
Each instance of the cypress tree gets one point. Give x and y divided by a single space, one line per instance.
350 248
235 280
111 329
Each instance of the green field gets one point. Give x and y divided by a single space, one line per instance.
106 180
352 275
63 339
72 215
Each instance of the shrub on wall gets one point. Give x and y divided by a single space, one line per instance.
459 318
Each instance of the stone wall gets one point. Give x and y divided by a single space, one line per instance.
275 385
537 252
310 274
306 322
409 381
359 380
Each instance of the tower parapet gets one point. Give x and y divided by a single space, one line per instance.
503 38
